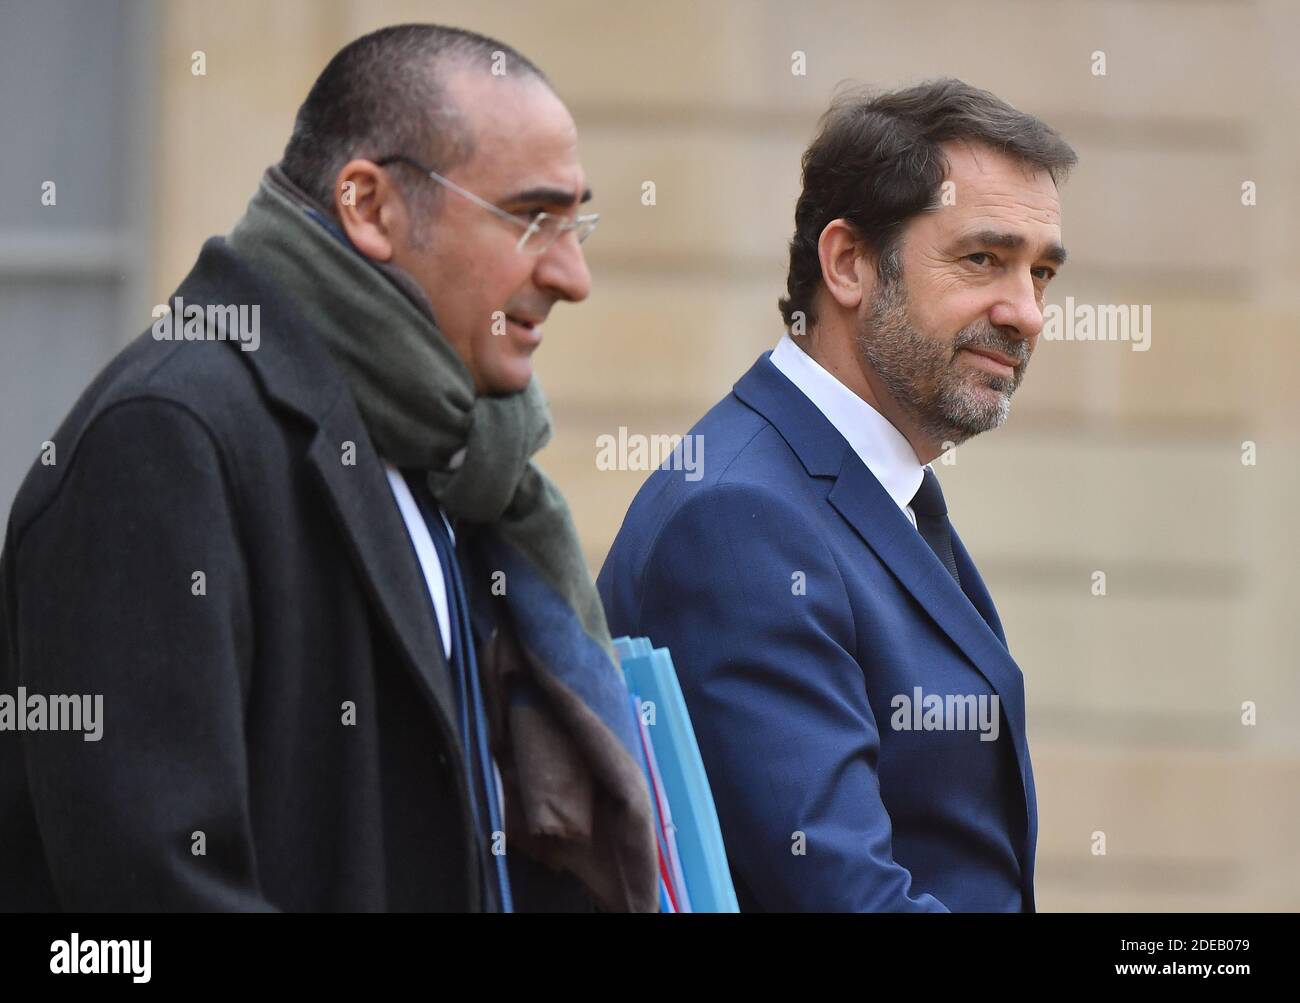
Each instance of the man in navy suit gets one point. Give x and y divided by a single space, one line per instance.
860 717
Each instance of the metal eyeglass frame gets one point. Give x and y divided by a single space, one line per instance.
584 225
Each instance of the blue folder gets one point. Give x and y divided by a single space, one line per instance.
649 673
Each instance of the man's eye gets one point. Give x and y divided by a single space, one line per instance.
1048 273
977 254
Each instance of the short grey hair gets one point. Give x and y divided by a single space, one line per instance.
385 94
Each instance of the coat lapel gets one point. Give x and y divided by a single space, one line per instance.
362 504
860 499
294 369
867 507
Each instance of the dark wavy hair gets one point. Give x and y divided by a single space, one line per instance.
877 162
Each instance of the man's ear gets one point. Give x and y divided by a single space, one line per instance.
370 208
846 266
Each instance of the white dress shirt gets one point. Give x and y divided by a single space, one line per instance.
880 446
434 579
424 550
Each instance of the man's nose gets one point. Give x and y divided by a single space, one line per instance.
1019 309
562 270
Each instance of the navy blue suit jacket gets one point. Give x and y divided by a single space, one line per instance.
799 602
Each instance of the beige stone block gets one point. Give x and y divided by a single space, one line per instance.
1091 501
632 57
1185 829
1151 665
1164 59
717 195
655 344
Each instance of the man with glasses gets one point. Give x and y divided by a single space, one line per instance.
349 652
542 229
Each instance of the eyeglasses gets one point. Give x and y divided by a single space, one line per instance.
540 232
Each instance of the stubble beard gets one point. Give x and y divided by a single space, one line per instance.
946 401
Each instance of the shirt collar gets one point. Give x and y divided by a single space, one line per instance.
880 446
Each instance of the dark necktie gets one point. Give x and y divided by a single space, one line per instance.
469 698
932 521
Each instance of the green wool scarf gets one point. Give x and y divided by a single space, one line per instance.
415 394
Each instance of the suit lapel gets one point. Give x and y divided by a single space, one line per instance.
859 498
295 371
979 596
865 505
975 590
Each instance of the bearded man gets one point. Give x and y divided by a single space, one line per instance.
861 719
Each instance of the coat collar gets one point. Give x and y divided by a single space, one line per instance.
867 507
296 372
